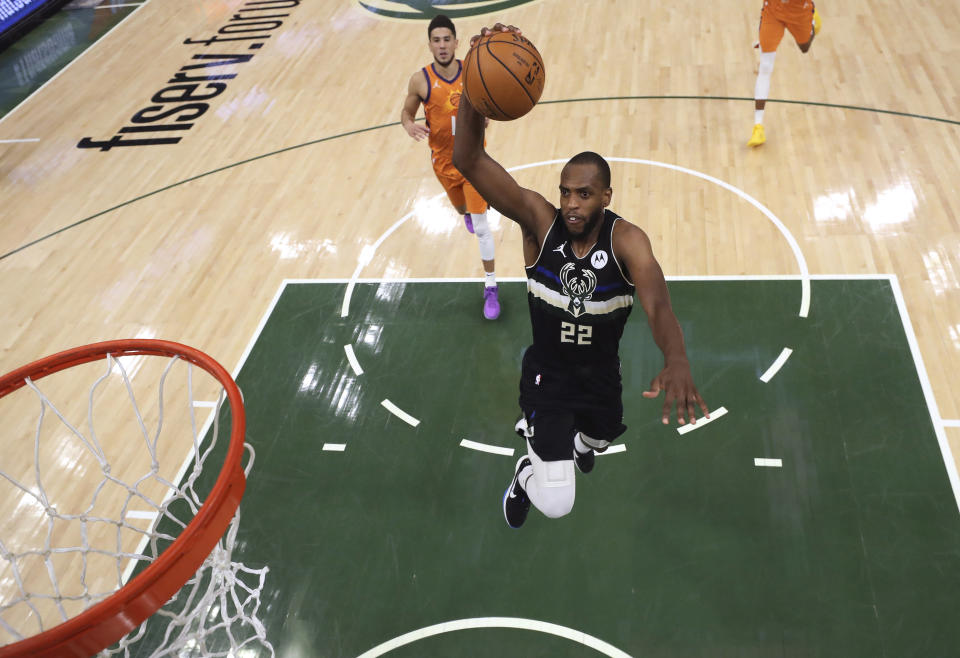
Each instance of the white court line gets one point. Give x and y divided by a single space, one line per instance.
612 450
716 413
784 231
335 447
366 254
761 461
141 514
778 277
797 254
496 622
189 457
668 277
205 404
775 367
483 447
951 423
259 329
412 279
72 62
19 141
399 413
132 4
932 408
352 358
188 460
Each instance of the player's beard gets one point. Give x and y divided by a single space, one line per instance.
589 224
446 63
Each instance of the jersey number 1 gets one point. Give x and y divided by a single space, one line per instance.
575 333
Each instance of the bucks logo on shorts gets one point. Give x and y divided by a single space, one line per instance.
424 10
578 287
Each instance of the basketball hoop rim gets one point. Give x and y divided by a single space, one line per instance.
105 623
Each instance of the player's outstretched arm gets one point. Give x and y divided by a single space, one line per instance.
632 247
526 207
416 91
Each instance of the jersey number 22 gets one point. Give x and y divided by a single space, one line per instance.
575 333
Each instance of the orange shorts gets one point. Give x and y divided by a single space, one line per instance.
774 18
460 192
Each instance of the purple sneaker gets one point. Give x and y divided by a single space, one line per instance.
468 220
491 305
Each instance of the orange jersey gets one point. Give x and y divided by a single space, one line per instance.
779 15
440 107
789 10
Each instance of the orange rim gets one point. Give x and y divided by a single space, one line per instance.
105 623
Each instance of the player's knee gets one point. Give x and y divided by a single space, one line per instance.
480 225
553 487
482 229
558 503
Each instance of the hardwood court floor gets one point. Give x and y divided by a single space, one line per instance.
296 168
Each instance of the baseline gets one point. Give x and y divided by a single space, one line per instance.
938 425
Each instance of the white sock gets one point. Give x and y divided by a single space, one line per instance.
491 280
761 90
580 446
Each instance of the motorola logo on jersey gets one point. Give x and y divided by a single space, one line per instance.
425 10
578 287
599 259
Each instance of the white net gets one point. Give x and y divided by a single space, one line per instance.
98 483
223 599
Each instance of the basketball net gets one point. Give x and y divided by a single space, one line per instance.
98 504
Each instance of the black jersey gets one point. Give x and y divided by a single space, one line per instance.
578 306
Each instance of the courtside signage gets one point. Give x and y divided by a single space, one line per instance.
11 11
185 97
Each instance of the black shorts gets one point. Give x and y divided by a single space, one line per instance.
558 403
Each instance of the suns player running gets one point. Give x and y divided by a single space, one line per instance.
439 86
803 21
584 265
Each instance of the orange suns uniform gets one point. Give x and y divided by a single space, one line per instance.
440 107
777 15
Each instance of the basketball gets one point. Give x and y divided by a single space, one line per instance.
503 76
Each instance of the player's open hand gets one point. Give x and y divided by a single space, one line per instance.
417 131
677 382
487 31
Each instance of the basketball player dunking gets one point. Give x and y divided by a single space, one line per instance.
439 86
584 263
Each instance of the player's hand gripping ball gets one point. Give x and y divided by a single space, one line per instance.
503 75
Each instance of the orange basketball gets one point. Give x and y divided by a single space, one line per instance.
503 76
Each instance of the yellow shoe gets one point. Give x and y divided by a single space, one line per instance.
817 23
758 137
